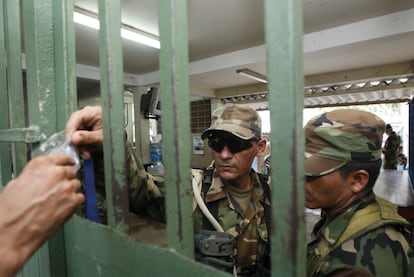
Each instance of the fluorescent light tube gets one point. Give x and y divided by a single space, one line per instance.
125 33
86 20
252 75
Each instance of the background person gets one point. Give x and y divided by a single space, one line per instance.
34 206
401 158
232 191
360 234
391 148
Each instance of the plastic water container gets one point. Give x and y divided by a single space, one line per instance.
157 167
58 143
156 153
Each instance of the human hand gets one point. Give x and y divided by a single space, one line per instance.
84 127
34 206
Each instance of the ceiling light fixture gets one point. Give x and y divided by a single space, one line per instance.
126 32
252 75
403 80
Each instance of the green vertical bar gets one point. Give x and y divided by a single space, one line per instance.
66 102
175 123
40 64
15 80
5 168
283 26
110 54
66 94
41 94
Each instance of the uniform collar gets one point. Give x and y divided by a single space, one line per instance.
331 230
218 190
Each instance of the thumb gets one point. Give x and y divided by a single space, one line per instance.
93 138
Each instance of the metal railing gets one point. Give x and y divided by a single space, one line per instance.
40 105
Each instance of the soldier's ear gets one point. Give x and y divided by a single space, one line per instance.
359 180
261 146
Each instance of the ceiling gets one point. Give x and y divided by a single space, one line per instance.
345 42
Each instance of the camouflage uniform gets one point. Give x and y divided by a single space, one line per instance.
146 194
333 139
145 191
248 229
402 159
390 151
368 237
380 249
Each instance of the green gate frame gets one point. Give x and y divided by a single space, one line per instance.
84 248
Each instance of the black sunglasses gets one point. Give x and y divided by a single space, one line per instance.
233 143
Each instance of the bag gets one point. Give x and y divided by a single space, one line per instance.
215 249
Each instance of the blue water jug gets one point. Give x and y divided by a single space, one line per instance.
156 153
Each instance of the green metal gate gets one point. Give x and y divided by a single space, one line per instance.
84 248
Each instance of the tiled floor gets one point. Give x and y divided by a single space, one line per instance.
396 187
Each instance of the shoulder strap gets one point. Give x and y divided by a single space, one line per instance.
212 206
265 185
268 193
207 179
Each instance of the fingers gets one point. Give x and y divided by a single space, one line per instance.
74 191
84 128
36 203
60 158
87 137
67 198
87 118
54 159
48 170
87 142
57 162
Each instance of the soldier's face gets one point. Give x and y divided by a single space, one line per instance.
330 192
234 168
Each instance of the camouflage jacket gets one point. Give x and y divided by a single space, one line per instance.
390 150
248 228
381 249
145 191
146 196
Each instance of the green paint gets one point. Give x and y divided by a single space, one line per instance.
84 248
283 28
110 53
5 172
175 123
29 135
64 39
15 82
96 250
40 64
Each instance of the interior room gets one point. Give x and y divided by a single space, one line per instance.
160 69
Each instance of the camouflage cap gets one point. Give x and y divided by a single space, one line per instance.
241 121
338 137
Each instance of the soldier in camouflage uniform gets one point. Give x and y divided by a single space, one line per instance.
360 234
234 189
390 149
